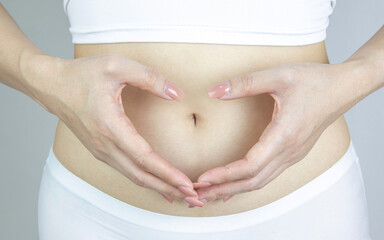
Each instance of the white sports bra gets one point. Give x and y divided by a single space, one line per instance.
244 22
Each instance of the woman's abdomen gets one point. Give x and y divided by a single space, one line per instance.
201 133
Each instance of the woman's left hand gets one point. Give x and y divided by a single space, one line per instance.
308 98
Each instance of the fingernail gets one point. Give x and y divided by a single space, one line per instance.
220 89
227 198
203 200
167 198
193 201
191 206
172 91
201 184
188 191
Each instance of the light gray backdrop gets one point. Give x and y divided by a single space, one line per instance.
27 131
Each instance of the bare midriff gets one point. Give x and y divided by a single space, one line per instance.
201 133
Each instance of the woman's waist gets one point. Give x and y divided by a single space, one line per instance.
194 152
200 133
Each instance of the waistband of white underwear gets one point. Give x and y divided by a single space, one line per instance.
172 223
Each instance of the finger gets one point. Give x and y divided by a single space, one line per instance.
274 175
226 198
247 84
144 179
149 79
270 145
166 197
139 151
223 190
149 161
200 185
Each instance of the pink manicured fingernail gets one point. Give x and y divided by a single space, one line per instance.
167 198
193 201
220 89
188 191
227 198
173 91
201 184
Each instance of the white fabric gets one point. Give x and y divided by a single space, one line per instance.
332 206
243 22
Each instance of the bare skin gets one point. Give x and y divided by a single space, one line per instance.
198 133
158 144
290 136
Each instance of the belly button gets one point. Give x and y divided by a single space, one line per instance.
194 118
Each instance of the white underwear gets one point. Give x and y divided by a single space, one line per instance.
332 206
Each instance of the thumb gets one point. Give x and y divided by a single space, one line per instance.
247 84
149 79
156 83
159 85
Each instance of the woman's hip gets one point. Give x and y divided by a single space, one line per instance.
331 206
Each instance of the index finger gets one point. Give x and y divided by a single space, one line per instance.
269 146
137 148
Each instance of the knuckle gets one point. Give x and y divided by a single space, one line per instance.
246 83
101 156
138 179
171 194
112 63
100 149
296 152
288 75
218 194
228 172
102 127
254 168
141 159
98 155
253 184
151 77
261 185
290 137
110 130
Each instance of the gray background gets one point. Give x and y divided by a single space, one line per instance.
27 131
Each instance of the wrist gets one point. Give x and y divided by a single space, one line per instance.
376 63
360 77
37 71
368 69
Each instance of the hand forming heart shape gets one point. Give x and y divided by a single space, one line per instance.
85 93
308 98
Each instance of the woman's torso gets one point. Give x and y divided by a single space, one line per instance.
223 132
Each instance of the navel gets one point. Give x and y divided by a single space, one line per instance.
194 118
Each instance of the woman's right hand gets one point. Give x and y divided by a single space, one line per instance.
85 93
